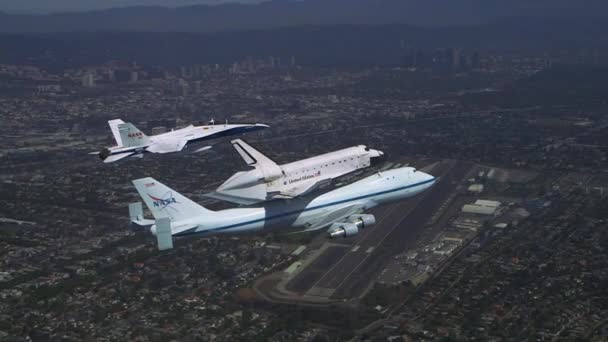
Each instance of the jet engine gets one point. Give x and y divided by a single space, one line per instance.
362 221
104 153
353 225
343 230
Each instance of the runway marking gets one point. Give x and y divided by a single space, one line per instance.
356 248
369 250
384 217
379 243
385 236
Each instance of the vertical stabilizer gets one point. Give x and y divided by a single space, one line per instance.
250 155
165 202
270 170
131 136
114 127
136 211
163 234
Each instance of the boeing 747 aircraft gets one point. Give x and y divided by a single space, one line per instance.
133 142
340 210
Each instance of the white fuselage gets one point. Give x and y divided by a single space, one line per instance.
190 134
380 188
327 166
297 178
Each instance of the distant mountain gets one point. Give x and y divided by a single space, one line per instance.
56 6
321 45
290 13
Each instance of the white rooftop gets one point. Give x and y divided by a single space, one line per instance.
486 203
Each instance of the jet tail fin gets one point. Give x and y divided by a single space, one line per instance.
114 128
166 202
131 136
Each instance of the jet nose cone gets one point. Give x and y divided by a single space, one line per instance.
261 125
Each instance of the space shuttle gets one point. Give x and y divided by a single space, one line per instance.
269 181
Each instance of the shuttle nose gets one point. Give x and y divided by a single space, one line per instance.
374 153
376 156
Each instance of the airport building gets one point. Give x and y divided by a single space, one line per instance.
476 188
481 207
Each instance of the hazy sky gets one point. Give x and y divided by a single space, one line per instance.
46 6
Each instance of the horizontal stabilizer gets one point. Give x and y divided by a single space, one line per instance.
202 149
143 222
115 157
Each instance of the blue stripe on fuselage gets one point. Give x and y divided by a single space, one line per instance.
225 133
228 132
132 150
211 230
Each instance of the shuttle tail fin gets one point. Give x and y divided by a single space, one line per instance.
131 136
251 156
270 170
166 202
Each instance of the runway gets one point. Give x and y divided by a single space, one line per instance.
347 267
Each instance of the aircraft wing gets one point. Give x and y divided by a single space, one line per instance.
167 147
115 157
334 216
